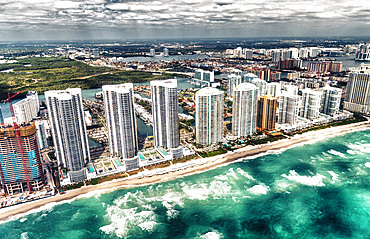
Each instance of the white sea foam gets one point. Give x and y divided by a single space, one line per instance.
360 148
245 174
259 189
122 220
334 152
367 164
334 176
203 191
305 180
23 220
212 235
350 151
147 226
24 235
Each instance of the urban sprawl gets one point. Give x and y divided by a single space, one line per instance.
239 97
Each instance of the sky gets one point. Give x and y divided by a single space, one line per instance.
146 19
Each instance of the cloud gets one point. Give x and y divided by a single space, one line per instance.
123 14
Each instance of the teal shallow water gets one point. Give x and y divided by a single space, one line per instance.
313 191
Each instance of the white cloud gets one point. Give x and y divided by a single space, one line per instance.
23 14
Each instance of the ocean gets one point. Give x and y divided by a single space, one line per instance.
319 190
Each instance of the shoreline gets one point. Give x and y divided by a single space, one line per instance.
245 153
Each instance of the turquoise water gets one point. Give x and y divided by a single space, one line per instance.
314 191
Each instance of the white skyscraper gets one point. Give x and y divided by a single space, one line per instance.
311 101
274 89
206 76
152 52
290 89
209 103
261 85
68 128
288 109
330 100
248 77
165 52
357 97
121 122
28 108
165 115
232 81
244 109
41 134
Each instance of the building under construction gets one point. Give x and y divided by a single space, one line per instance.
15 171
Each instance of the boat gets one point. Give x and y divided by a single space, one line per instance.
99 95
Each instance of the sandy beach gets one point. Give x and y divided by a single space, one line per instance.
217 161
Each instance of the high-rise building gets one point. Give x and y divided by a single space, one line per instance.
261 85
248 54
290 89
28 108
66 116
209 103
41 134
311 101
244 109
165 52
121 122
248 77
357 97
165 115
266 113
265 73
15 171
1 117
288 109
330 100
232 81
273 88
313 52
96 53
206 76
152 52
303 53
324 66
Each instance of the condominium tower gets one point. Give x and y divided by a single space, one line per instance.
121 122
28 108
68 127
288 109
15 171
274 89
261 85
311 101
266 113
1 117
209 103
232 81
330 100
165 114
357 97
244 110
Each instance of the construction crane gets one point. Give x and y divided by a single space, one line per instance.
18 136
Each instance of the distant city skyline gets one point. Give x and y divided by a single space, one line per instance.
143 19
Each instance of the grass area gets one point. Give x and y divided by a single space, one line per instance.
266 140
355 119
213 153
185 159
53 73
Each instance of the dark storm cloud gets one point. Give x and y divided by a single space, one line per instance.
66 15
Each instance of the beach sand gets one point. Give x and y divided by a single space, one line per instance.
14 212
